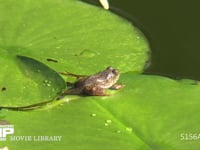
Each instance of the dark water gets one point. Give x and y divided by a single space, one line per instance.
173 30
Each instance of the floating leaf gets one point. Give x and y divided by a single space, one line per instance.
66 35
151 112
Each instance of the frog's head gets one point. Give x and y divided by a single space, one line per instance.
108 77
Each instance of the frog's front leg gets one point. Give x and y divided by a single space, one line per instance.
117 86
94 91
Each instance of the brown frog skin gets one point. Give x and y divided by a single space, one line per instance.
95 85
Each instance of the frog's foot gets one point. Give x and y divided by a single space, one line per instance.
72 75
73 91
117 86
95 91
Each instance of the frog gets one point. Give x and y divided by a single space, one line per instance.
96 84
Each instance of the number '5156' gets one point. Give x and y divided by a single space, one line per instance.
190 136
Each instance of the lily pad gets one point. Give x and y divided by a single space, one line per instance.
64 35
27 81
150 112
140 116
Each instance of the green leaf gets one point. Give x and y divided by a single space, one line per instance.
151 112
78 37
27 81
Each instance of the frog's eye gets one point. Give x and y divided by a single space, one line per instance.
109 68
114 71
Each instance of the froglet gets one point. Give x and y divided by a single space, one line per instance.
96 84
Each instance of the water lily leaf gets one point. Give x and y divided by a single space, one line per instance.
140 116
64 35
33 82
151 112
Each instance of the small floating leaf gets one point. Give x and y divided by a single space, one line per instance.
35 86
